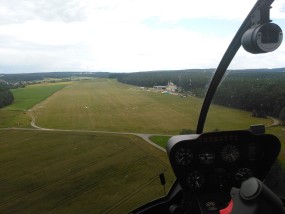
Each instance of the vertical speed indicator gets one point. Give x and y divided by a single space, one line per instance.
230 153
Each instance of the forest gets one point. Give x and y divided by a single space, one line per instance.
195 81
6 96
260 91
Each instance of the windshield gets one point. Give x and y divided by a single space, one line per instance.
248 97
87 106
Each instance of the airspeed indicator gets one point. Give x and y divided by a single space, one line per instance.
183 156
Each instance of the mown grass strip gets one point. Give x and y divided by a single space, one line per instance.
25 98
107 105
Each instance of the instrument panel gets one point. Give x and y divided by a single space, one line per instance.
217 161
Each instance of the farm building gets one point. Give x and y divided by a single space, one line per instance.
170 87
157 87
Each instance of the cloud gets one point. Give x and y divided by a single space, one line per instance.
14 11
278 11
125 35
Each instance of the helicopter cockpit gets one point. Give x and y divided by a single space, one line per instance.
222 171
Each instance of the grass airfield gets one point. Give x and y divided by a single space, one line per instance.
106 105
84 172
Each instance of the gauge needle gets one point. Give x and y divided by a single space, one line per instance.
239 174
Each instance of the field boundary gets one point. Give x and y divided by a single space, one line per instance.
145 137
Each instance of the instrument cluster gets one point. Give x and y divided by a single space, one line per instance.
213 162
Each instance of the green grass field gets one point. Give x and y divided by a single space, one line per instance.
107 105
160 140
15 115
70 172
83 172
25 98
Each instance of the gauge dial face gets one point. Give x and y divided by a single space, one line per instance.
207 157
195 180
184 156
230 153
243 174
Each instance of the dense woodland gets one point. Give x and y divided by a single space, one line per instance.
260 91
194 80
6 97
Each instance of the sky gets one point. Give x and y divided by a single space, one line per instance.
126 35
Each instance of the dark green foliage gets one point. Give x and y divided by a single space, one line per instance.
6 97
194 80
262 93
160 140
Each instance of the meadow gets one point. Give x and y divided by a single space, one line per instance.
25 98
15 115
72 171
107 105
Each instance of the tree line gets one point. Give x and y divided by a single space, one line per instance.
12 78
194 80
6 96
259 91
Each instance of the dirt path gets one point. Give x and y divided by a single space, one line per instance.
145 137
275 122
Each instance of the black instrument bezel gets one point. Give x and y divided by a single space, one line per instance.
268 148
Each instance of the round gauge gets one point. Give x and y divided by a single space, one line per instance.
243 174
230 153
195 180
207 157
184 156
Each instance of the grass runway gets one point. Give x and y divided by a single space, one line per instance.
107 105
73 172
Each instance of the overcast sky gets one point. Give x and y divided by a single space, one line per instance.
125 35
